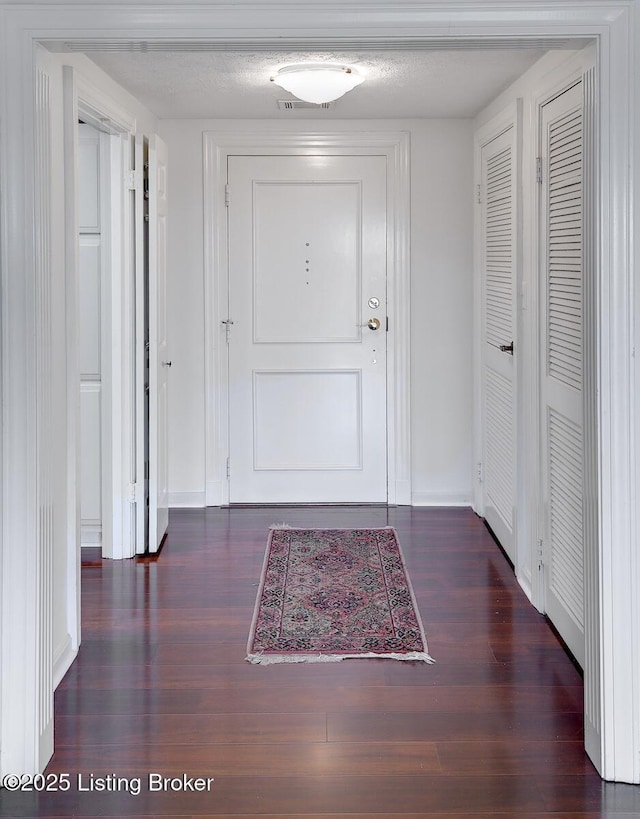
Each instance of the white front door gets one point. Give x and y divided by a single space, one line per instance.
307 273
561 379
498 229
158 355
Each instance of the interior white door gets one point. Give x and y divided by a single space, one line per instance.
498 232
307 347
562 364
90 329
159 363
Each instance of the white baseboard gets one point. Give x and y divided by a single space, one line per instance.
196 500
186 500
525 585
403 493
91 535
62 660
430 498
217 493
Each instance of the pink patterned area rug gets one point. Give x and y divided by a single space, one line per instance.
332 594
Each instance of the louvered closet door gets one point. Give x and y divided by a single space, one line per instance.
561 360
498 198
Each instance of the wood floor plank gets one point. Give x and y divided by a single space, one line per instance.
407 727
188 729
575 793
488 756
303 795
542 670
240 674
424 814
320 699
259 760
358 672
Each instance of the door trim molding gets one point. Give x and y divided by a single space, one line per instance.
217 147
82 97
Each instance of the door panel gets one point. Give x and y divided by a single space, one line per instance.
498 165
90 460
91 222
158 354
322 279
562 371
290 414
307 251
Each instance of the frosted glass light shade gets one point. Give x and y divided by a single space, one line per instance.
317 82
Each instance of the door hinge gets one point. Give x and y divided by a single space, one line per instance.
479 194
133 180
480 471
133 492
227 328
539 170
540 555
226 195
228 468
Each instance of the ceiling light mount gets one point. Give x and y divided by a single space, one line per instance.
317 82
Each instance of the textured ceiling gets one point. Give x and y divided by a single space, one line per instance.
223 84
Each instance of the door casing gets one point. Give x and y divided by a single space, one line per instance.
81 98
217 147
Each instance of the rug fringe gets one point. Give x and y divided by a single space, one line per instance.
342 528
273 659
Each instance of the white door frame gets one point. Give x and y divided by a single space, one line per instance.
613 579
82 99
217 147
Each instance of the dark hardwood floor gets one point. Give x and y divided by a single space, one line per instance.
494 729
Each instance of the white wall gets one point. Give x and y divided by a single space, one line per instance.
441 296
441 310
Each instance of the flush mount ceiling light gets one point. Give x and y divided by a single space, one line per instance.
317 82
